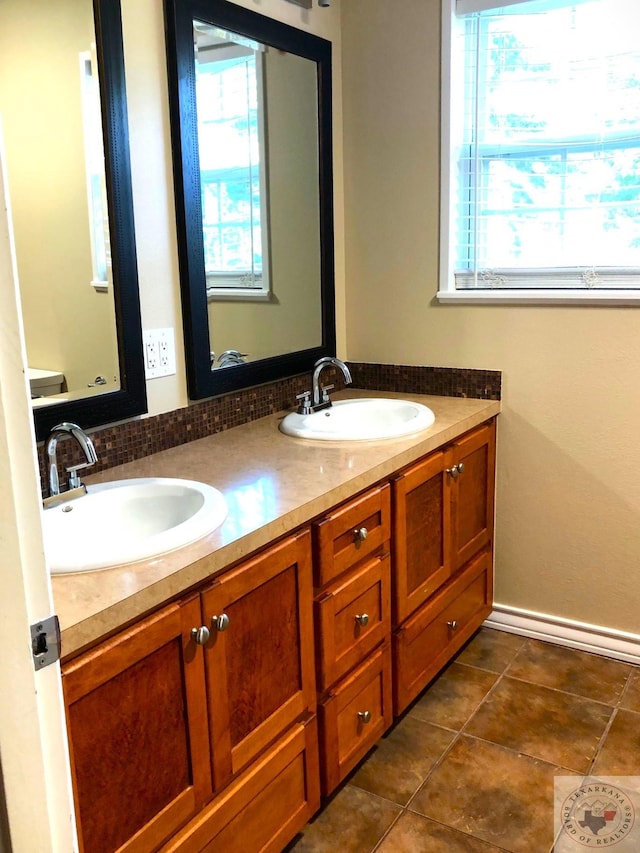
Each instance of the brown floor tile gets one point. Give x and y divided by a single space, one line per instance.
416 834
491 649
573 671
494 794
401 761
556 727
620 752
631 696
352 822
454 696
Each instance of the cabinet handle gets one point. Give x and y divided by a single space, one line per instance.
365 717
452 625
200 635
460 467
454 471
360 534
220 623
362 619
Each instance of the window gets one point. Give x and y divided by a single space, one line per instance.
541 150
230 108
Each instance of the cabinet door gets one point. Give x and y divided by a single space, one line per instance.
139 743
421 533
260 667
266 805
472 461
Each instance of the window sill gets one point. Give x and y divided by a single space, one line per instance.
539 297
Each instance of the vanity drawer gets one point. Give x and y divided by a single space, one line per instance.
428 639
264 807
352 618
350 533
354 717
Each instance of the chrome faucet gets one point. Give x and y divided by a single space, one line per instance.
63 431
318 367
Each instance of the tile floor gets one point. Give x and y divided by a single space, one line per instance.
470 767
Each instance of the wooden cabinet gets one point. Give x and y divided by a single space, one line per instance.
165 715
137 721
217 722
353 627
442 517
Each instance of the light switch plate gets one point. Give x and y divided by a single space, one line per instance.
159 353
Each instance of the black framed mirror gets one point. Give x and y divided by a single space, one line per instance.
82 125
251 120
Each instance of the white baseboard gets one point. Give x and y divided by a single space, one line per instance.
565 632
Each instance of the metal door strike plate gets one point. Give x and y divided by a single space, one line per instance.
45 642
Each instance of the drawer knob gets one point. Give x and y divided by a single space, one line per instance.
220 623
200 635
365 717
360 534
362 619
453 625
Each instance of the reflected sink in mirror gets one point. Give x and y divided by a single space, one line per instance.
363 419
125 521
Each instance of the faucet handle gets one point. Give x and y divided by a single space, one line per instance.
325 392
305 403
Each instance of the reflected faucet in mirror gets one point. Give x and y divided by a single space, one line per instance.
228 358
63 431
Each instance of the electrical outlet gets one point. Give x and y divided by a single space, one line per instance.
151 354
159 353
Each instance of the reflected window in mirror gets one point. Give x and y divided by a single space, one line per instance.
64 116
94 166
250 108
230 100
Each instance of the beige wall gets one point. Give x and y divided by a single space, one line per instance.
568 504
69 327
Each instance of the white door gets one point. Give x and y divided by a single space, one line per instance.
34 764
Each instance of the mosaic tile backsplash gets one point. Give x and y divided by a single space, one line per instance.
135 439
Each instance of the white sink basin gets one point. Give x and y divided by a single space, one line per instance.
125 521
360 420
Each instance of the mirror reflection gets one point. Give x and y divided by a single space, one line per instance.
50 106
250 103
64 119
258 143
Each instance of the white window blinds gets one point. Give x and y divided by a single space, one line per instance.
545 144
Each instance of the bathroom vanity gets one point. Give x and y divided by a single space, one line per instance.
215 694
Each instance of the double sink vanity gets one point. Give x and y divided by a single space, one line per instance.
216 692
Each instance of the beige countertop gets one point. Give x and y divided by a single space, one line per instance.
272 484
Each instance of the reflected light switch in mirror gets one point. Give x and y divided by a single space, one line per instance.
159 353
